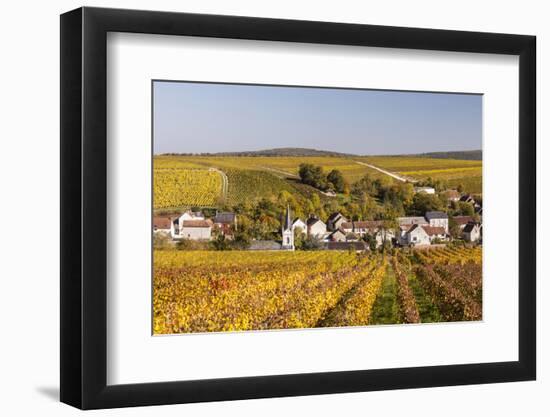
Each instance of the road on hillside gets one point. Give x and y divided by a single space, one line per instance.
391 174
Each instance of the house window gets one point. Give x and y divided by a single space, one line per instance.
414 238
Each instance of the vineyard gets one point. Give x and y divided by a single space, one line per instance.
453 171
177 187
205 291
187 181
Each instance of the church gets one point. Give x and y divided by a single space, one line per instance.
287 231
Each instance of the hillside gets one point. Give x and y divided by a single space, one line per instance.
469 155
475 155
282 152
212 180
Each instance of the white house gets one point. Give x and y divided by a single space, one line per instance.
335 220
361 228
195 230
435 232
425 190
187 216
337 236
191 215
472 232
316 228
373 228
416 236
299 225
438 219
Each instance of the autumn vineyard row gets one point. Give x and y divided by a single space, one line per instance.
241 290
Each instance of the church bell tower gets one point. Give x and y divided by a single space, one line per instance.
287 231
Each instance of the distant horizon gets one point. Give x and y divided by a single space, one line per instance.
314 149
200 118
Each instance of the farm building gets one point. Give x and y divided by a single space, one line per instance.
316 228
438 219
163 224
195 230
335 220
225 223
472 232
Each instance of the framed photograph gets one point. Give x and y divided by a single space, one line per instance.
257 208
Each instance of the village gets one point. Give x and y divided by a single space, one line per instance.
336 232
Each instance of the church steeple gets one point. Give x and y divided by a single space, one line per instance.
288 221
287 231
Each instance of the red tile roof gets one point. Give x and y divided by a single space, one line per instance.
431 231
160 222
369 224
197 223
461 220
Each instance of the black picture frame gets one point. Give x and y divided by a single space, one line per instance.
84 207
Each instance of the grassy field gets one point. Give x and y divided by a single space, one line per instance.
209 291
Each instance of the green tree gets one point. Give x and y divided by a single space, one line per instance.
423 202
336 178
454 229
220 243
299 238
312 243
466 209
241 240
366 186
313 175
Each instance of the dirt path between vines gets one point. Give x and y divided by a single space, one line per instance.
383 171
225 181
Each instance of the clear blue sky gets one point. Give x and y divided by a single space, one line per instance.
197 118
